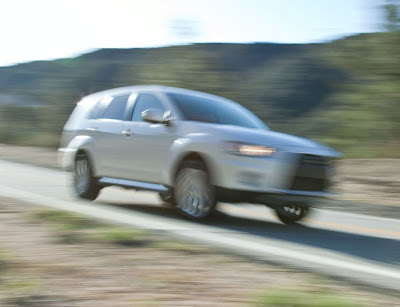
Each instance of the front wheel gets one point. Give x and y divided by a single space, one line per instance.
290 214
85 185
194 195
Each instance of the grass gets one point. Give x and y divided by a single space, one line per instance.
5 258
22 285
300 298
18 290
121 236
177 246
14 286
27 290
64 219
67 226
73 228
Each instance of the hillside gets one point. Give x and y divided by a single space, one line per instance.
322 91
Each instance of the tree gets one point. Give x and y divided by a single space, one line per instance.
392 10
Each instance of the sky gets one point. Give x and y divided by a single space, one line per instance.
50 29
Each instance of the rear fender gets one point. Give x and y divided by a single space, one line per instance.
68 154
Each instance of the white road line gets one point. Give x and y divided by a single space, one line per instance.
358 215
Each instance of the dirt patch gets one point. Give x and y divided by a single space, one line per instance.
371 180
41 270
39 156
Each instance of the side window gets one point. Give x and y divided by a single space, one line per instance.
98 108
196 108
116 108
144 102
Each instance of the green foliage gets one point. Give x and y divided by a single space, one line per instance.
343 93
120 236
4 258
178 246
68 227
366 108
392 9
72 228
297 298
64 219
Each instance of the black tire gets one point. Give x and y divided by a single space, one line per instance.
291 213
167 197
194 195
85 185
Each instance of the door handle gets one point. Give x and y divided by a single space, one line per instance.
127 132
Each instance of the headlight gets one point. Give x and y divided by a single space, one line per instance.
250 150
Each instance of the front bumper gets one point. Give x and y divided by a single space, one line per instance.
66 158
287 177
272 198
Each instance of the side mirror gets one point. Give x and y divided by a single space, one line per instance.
157 116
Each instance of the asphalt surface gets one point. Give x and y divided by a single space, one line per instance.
363 249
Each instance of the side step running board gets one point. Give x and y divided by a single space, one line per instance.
138 185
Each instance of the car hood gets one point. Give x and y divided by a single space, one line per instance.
281 141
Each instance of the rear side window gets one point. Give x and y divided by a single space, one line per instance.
99 108
110 107
116 108
144 102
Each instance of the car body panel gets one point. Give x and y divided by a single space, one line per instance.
68 153
152 152
146 150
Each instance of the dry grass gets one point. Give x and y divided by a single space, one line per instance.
44 271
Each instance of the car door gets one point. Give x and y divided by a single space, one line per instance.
146 148
108 136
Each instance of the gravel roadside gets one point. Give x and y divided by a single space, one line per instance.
50 258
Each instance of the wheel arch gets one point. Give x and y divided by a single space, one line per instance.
81 143
89 155
192 156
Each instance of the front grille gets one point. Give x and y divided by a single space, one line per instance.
308 184
314 160
311 174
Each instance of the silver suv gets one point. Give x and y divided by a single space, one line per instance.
194 149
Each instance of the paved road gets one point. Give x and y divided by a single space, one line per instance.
356 247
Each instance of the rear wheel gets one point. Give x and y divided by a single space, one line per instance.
85 185
194 195
292 213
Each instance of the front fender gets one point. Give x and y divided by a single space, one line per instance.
182 147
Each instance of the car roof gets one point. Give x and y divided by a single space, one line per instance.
153 88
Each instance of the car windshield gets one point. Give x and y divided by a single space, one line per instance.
208 110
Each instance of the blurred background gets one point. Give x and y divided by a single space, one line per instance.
322 69
327 70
